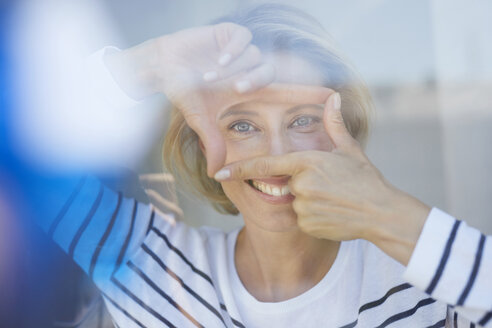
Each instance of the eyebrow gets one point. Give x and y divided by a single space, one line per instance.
233 111
292 110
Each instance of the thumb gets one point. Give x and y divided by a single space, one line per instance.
215 151
334 124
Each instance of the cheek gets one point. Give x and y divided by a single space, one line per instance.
318 140
235 192
237 150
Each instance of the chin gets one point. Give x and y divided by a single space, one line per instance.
271 218
281 219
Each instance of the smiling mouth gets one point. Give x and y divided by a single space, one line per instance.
269 189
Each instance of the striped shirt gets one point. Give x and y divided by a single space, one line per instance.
155 272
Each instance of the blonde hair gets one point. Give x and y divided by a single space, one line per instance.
275 28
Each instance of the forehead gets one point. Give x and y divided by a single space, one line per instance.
291 68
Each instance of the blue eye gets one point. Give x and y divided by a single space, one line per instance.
242 127
303 121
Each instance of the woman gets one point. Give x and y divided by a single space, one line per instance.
286 266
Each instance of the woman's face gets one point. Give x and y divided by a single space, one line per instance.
263 128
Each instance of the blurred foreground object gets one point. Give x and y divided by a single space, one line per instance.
61 121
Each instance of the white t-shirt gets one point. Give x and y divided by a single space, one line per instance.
360 274
155 272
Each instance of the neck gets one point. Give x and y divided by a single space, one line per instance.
275 266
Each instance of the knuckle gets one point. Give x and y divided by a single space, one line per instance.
303 205
239 171
297 206
294 186
222 33
304 223
246 34
309 192
254 53
242 35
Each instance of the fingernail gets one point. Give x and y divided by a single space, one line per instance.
210 76
225 59
222 174
336 101
243 86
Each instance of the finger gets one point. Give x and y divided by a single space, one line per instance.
317 226
215 151
289 164
334 124
233 40
258 78
213 142
247 60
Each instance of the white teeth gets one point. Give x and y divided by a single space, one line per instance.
271 189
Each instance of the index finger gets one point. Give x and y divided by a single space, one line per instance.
233 38
260 167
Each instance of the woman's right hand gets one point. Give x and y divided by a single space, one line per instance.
200 70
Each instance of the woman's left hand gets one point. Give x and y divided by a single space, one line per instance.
341 195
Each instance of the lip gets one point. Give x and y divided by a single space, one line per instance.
277 181
275 200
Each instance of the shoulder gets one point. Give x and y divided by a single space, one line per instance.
216 239
376 264
373 271
385 293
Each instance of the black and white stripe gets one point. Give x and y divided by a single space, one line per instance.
470 280
85 223
473 274
378 302
199 273
407 313
398 316
139 287
105 236
444 259
128 237
182 283
486 319
66 206
181 255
